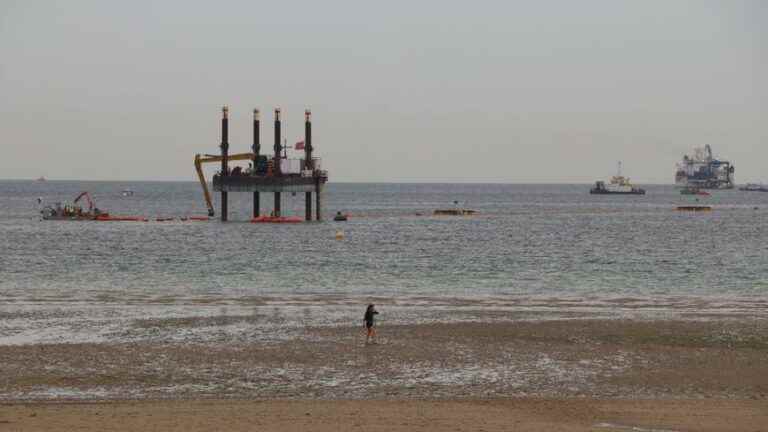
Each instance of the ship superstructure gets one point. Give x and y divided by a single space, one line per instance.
703 171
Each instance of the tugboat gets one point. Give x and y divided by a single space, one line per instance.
340 217
754 187
619 185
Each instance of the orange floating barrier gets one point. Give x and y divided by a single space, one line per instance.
108 218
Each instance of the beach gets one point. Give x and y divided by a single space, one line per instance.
549 310
698 373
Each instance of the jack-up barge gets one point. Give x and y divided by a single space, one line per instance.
276 174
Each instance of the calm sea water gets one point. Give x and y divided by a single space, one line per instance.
536 240
532 252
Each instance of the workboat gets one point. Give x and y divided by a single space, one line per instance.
76 212
754 187
619 185
73 211
340 217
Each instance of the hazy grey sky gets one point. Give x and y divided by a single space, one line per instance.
508 91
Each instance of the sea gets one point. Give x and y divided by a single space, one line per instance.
549 250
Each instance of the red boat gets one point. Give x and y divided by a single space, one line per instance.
277 219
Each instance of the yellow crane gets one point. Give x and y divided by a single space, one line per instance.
201 159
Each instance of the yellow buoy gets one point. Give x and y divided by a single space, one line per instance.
339 235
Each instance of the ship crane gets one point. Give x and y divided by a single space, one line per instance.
200 160
87 197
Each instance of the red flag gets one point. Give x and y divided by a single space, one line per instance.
299 145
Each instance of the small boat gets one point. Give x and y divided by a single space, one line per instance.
127 192
693 190
754 187
340 217
277 219
619 185
694 208
454 212
41 179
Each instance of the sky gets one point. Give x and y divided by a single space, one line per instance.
401 91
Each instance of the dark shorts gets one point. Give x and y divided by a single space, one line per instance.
369 324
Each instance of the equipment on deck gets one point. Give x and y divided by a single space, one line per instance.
200 160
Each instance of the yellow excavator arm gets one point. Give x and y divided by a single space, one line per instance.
200 160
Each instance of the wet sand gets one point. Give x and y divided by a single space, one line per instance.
528 414
580 374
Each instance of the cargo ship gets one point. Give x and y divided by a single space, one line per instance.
701 170
619 185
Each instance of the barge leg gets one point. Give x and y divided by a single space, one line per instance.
277 204
317 201
308 165
256 150
224 158
276 158
224 206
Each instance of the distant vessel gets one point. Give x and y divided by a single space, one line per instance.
619 185
754 187
41 179
127 192
704 171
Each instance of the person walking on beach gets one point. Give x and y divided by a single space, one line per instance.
368 318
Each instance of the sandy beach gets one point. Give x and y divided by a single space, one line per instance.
572 374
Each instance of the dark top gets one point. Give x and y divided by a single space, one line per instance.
369 317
